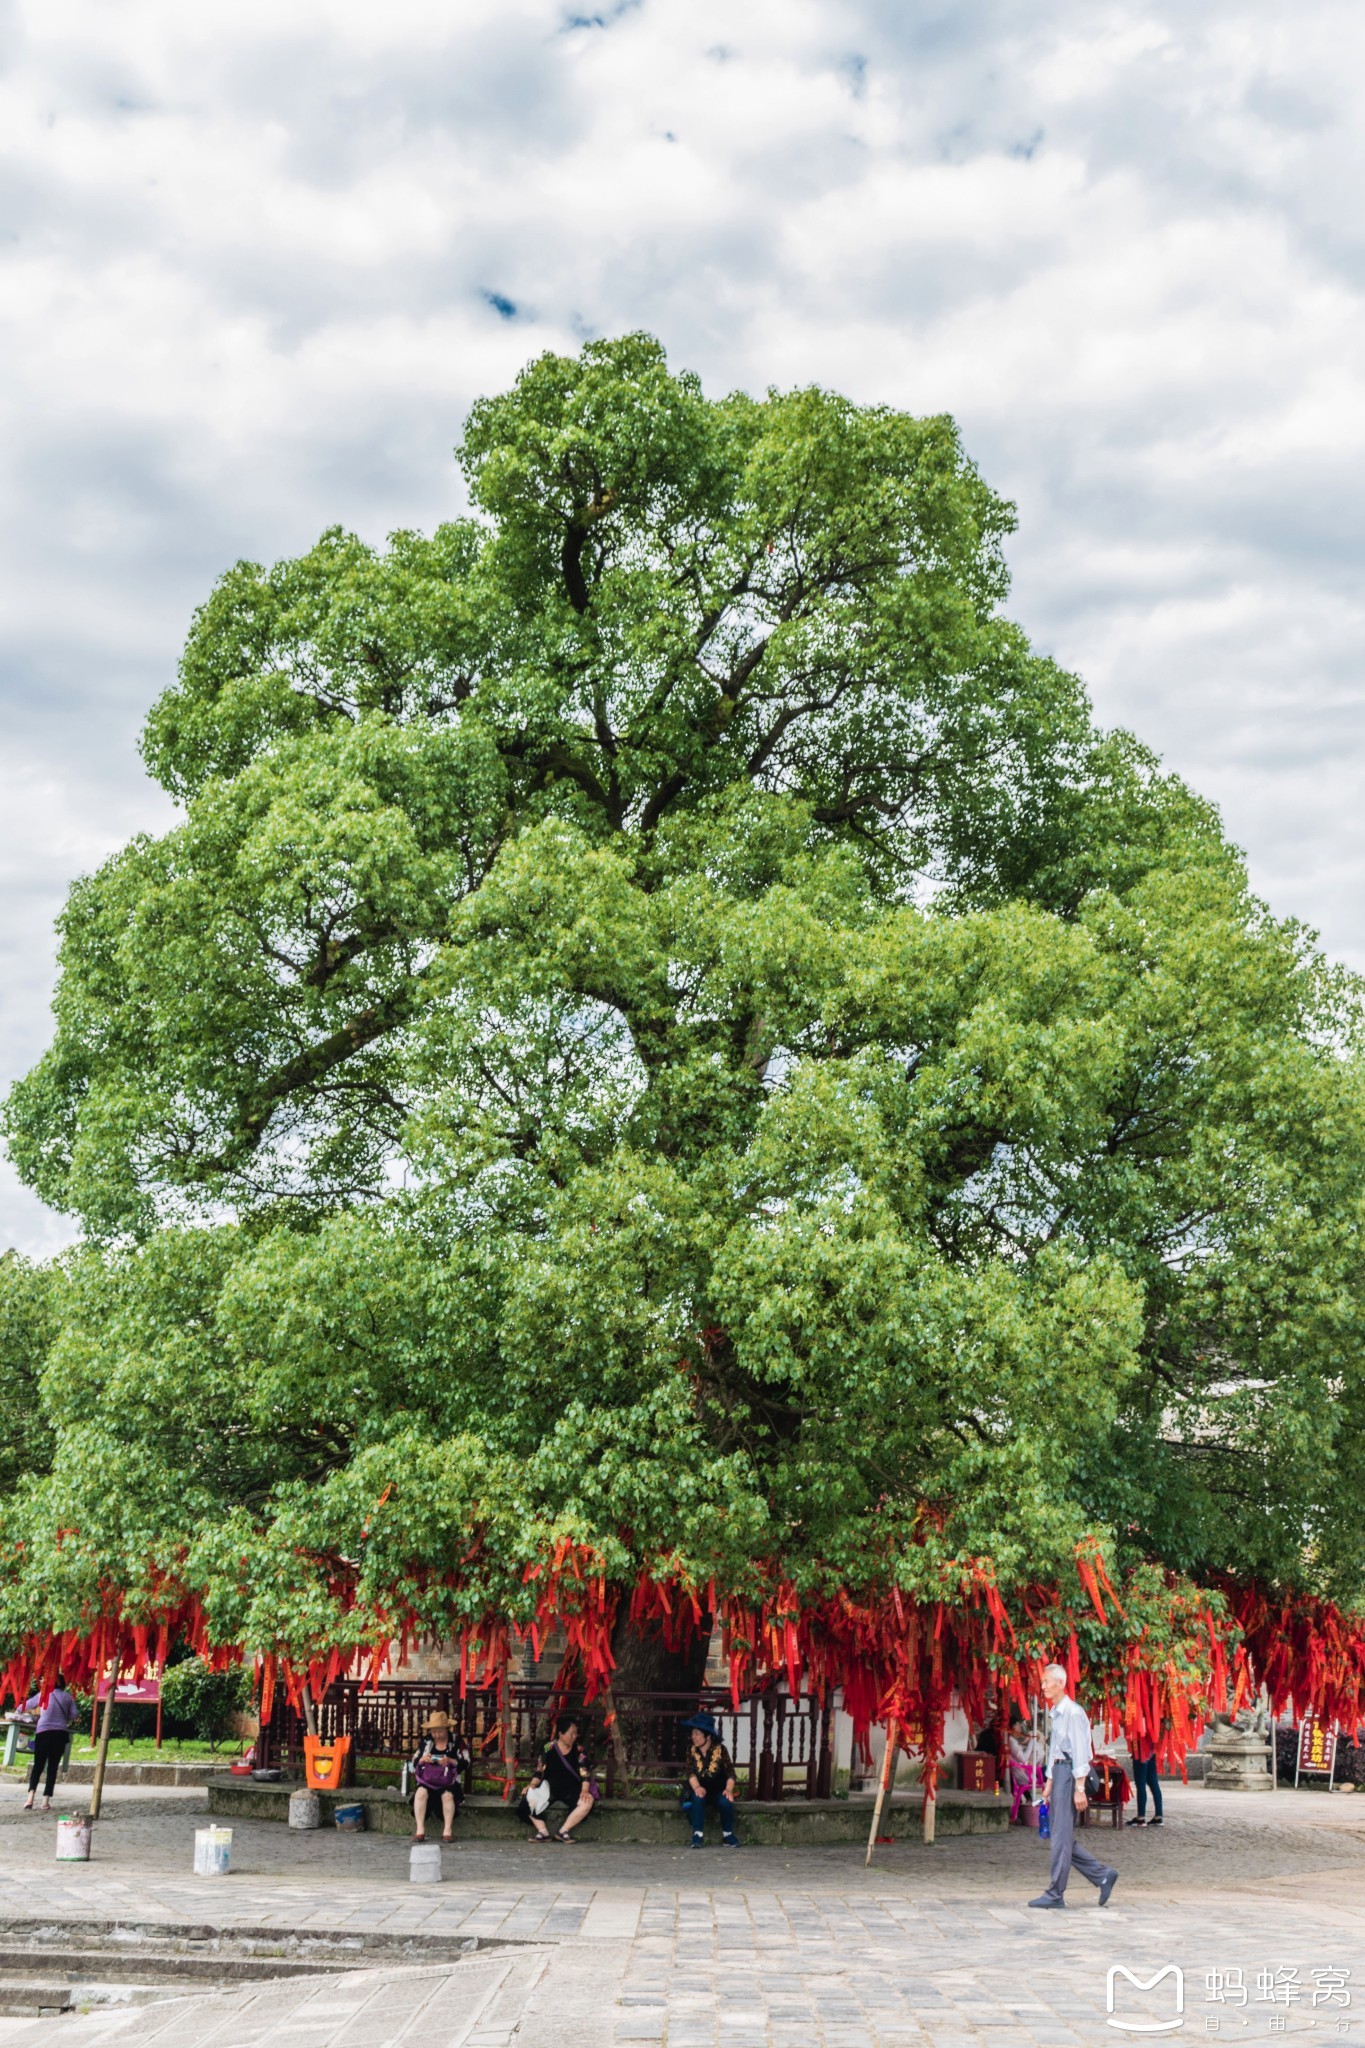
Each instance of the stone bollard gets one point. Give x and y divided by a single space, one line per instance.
304 1810
424 1863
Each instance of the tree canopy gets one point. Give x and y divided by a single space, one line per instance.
665 1026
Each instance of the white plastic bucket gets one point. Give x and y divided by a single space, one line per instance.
304 1811
424 1863
73 1838
212 1851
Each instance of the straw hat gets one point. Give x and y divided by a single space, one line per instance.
436 1724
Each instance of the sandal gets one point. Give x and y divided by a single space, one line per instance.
418 1836
563 1837
537 1837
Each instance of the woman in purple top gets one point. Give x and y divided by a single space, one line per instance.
55 1723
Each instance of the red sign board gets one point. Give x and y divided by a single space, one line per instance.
975 1771
126 1694
1317 1746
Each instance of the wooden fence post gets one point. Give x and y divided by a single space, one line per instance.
97 1789
891 1747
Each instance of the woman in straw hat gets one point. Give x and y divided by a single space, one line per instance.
438 1767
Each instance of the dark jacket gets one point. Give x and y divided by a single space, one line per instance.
712 1767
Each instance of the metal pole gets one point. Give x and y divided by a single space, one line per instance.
97 1789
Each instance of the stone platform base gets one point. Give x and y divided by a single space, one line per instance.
816 1823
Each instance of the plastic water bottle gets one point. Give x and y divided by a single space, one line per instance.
1044 1821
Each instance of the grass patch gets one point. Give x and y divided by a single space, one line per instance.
174 1750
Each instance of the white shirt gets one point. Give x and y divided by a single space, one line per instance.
1070 1741
1022 1752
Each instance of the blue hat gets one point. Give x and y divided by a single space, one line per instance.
702 1721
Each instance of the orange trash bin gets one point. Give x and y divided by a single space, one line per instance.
324 1763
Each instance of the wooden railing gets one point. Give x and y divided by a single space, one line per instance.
782 1747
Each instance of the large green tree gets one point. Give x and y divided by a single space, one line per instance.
664 1022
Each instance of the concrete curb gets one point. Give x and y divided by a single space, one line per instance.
129 1774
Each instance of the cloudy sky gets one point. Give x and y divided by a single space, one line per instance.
259 255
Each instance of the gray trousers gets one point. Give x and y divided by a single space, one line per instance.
1067 1852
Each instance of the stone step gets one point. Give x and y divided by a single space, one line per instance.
478 2004
262 1951
142 1965
21 1999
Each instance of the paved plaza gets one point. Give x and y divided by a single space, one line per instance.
1258 1904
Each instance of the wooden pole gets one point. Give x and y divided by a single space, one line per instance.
930 1797
881 1792
97 1789
618 1742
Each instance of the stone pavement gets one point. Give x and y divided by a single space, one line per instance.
1259 1902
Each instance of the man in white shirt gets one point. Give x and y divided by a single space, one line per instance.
1068 1759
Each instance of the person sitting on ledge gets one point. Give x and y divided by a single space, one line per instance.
710 1782
439 1767
563 1772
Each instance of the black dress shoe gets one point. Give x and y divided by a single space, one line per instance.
1047 1904
1108 1887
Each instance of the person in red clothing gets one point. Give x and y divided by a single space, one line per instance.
1143 1750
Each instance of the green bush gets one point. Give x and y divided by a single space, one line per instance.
197 1701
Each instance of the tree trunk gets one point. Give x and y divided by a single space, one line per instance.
645 1664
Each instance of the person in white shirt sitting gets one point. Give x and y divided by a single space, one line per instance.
1026 1772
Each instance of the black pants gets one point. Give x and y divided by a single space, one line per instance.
695 1809
1145 1778
48 1751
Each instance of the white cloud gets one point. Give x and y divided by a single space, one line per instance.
248 257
